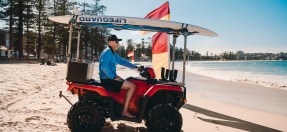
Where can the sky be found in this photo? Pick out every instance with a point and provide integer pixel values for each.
(251, 26)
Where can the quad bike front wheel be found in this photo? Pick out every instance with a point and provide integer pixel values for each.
(85, 116)
(164, 118)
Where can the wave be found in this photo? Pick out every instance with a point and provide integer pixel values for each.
(274, 81)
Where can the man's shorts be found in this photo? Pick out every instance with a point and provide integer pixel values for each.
(115, 84)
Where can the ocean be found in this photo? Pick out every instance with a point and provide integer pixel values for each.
(267, 73)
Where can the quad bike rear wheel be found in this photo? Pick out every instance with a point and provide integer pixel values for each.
(85, 116)
(164, 118)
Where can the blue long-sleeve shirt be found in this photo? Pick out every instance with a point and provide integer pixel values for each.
(108, 61)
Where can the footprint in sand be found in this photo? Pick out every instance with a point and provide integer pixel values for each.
(46, 109)
(217, 128)
(32, 118)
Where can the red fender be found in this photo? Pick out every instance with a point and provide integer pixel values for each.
(102, 91)
(155, 88)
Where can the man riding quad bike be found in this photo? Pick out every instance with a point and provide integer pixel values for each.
(155, 101)
(133, 99)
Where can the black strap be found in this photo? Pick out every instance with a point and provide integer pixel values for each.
(112, 50)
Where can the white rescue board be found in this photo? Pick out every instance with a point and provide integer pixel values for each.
(132, 23)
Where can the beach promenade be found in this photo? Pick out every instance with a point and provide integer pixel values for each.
(29, 101)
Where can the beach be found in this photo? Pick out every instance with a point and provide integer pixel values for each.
(241, 94)
(29, 101)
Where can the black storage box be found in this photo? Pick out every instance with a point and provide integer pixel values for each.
(80, 72)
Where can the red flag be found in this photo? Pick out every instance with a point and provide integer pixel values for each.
(131, 54)
(159, 12)
(160, 46)
(159, 42)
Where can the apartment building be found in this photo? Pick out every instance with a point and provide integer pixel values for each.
(240, 55)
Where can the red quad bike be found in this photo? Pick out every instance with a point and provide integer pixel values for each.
(156, 102)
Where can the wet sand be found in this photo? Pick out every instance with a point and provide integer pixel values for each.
(236, 93)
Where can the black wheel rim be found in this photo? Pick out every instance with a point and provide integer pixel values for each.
(164, 122)
(85, 120)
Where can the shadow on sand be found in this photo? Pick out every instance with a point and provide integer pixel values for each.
(230, 121)
(108, 127)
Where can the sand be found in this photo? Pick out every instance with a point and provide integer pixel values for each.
(242, 94)
(29, 101)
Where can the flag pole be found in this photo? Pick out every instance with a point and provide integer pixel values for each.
(168, 53)
(168, 47)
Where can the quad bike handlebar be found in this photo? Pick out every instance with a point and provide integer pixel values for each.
(141, 70)
(146, 72)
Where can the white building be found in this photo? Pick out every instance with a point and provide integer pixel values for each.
(281, 55)
(239, 55)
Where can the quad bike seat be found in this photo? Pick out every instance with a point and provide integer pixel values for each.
(97, 83)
